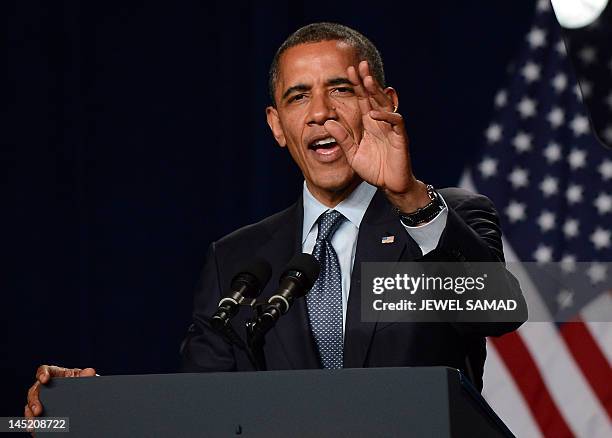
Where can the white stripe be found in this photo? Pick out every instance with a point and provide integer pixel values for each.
(600, 309)
(506, 398)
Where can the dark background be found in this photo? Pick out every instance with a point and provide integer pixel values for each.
(133, 134)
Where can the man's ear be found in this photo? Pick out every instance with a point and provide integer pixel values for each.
(392, 94)
(275, 125)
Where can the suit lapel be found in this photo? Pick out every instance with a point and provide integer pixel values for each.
(292, 331)
(379, 221)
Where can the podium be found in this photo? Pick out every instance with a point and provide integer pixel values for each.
(373, 402)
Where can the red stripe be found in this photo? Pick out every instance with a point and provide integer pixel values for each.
(591, 361)
(527, 377)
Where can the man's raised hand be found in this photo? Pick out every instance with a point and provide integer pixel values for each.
(381, 156)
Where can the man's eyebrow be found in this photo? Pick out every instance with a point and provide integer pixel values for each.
(304, 87)
(298, 87)
(339, 81)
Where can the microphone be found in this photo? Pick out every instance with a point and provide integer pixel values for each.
(247, 283)
(296, 281)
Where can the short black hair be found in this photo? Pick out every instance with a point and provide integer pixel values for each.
(317, 32)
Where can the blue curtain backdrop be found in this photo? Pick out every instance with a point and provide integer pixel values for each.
(133, 135)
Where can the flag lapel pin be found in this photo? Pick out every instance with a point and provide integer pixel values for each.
(388, 239)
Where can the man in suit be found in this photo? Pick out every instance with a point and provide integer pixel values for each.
(343, 130)
(331, 110)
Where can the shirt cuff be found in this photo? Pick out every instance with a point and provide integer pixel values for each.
(428, 235)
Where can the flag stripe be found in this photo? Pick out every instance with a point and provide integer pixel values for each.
(597, 315)
(591, 361)
(566, 384)
(528, 378)
(602, 334)
(501, 392)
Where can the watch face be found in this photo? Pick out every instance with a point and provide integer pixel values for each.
(573, 14)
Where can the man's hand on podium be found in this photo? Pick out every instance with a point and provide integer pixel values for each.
(44, 374)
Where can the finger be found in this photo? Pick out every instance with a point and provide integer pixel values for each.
(363, 98)
(27, 412)
(343, 138)
(33, 400)
(364, 69)
(394, 119)
(382, 101)
(43, 373)
(374, 89)
(33, 392)
(87, 372)
(46, 372)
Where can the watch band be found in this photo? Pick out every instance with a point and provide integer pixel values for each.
(423, 214)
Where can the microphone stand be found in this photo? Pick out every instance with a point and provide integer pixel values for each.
(253, 347)
(234, 338)
(255, 338)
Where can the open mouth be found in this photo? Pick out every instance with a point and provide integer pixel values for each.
(323, 146)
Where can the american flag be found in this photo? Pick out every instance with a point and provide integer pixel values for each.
(551, 181)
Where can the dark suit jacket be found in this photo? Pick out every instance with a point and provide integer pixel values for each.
(472, 233)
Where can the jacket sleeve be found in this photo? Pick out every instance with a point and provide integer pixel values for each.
(473, 234)
(203, 349)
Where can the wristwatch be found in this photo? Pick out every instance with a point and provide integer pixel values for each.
(423, 214)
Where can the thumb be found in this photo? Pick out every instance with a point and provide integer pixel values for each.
(343, 138)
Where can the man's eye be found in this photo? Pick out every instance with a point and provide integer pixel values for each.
(296, 97)
(343, 90)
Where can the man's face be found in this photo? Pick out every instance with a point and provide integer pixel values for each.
(312, 88)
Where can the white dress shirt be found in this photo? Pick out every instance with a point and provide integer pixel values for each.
(344, 240)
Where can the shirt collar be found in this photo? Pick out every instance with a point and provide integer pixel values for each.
(353, 207)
